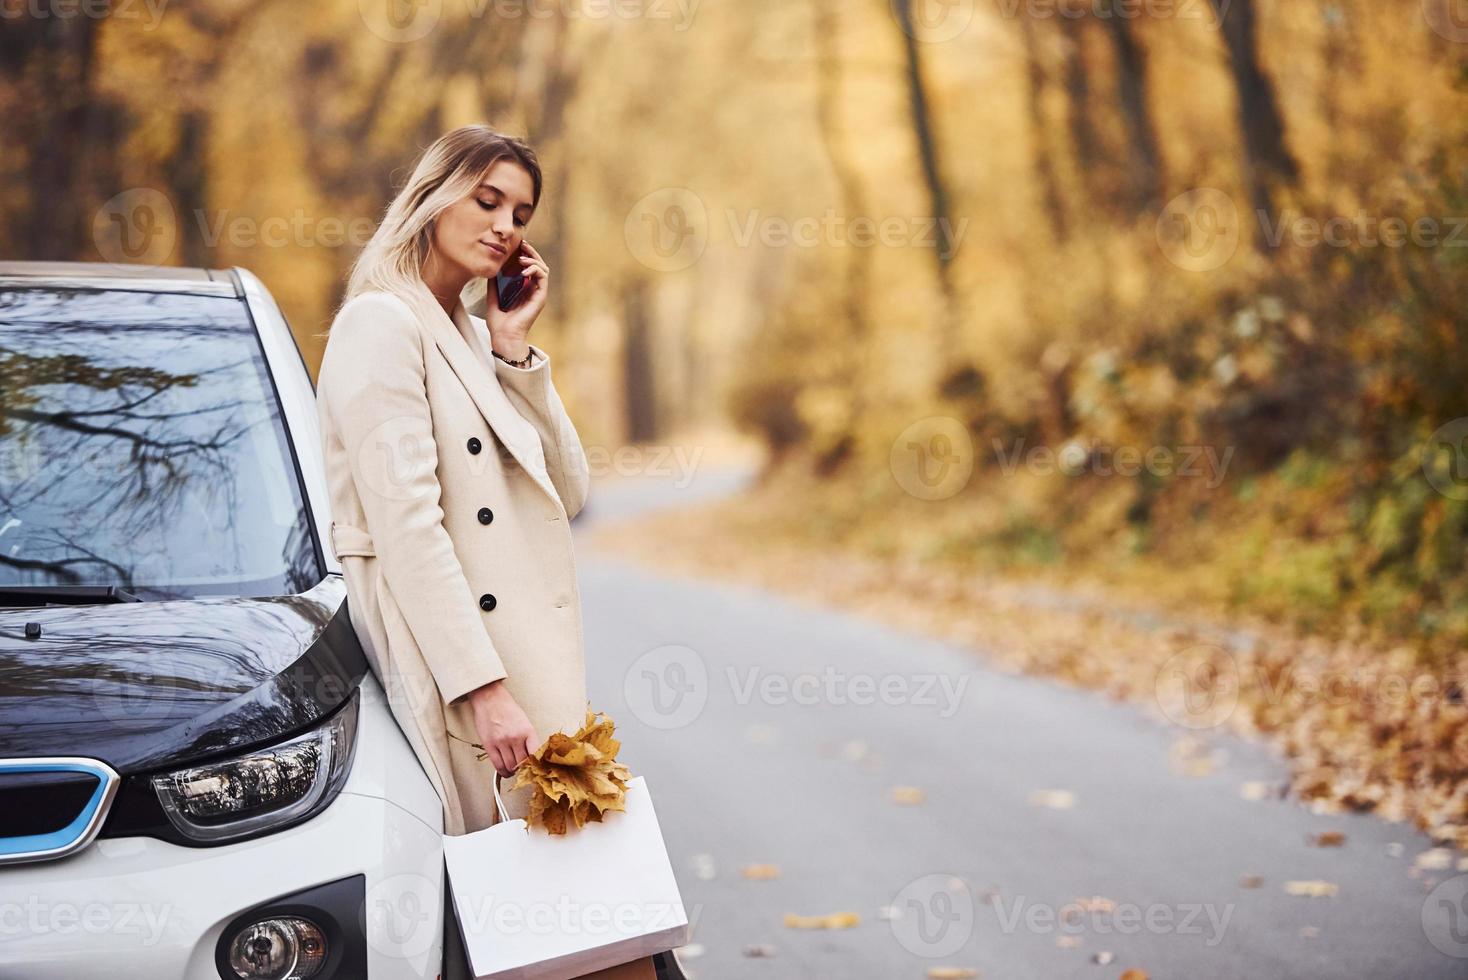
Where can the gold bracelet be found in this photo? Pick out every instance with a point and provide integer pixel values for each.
(521, 363)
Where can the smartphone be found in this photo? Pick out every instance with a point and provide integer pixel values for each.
(509, 289)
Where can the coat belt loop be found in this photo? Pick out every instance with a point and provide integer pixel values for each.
(348, 539)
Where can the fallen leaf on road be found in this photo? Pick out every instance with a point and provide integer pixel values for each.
(1311, 889)
(835, 920)
(703, 867)
(908, 795)
(760, 871)
(1192, 757)
(1251, 881)
(1328, 838)
(1067, 942)
(759, 951)
(1055, 799)
(951, 973)
(761, 734)
(1254, 791)
(1134, 975)
(1435, 859)
(1102, 958)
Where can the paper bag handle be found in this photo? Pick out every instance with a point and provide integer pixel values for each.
(498, 800)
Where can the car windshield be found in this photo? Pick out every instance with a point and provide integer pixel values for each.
(141, 446)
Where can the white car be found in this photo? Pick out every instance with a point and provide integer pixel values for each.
(199, 774)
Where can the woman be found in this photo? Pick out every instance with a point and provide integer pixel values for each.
(454, 473)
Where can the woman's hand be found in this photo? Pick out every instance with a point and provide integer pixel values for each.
(504, 728)
(507, 331)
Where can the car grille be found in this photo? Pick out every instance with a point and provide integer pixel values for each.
(51, 807)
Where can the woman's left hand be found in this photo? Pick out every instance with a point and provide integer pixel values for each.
(512, 327)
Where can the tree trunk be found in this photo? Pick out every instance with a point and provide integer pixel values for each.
(638, 376)
(1050, 199)
(930, 156)
(1267, 160)
(1131, 84)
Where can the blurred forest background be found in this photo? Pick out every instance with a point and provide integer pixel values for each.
(903, 243)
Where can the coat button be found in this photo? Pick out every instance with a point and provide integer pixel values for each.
(486, 602)
(485, 515)
(475, 445)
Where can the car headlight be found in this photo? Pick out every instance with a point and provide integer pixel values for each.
(264, 789)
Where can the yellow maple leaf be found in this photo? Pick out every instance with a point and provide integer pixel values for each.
(835, 920)
(577, 778)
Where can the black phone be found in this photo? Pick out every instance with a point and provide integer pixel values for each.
(510, 289)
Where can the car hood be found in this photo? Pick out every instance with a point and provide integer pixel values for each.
(147, 685)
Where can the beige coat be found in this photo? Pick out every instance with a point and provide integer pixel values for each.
(452, 488)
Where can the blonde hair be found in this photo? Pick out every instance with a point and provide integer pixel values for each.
(446, 172)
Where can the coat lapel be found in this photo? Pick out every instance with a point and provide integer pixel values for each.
(488, 396)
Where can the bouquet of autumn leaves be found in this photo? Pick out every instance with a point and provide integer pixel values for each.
(577, 777)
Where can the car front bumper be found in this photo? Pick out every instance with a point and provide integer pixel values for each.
(140, 907)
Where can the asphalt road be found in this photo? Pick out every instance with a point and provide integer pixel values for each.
(772, 732)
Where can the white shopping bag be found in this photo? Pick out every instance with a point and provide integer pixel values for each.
(536, 906)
